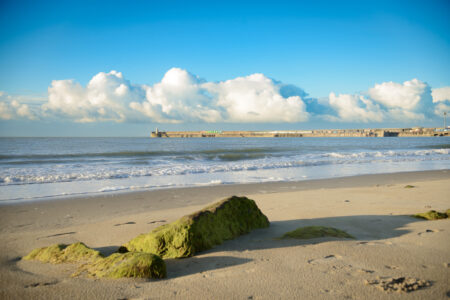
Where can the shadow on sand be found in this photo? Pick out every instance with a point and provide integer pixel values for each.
(365, 228)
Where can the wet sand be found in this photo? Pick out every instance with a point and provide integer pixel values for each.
(375, 209)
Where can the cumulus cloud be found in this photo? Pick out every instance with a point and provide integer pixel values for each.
(441, 94)
(388, 101)
(11, 108)
(396, 95)
(355, 108)
(256, 98)
(106, 98)
(442, 108)
(182, 97)
(179, 97)
(441, 97)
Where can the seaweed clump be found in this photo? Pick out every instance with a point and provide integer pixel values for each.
(130, 264)
(433, 215)
(60, 253)
(311, 232)
(202, 230)
(117, 265)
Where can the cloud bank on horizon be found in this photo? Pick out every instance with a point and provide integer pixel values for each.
(181, 97)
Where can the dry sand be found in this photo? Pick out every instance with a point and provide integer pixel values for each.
(373, 208)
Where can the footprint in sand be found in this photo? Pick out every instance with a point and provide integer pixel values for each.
(325, 259)
(36, 284)
(23, 225)
(127, 223)
(55, 235)
(392, 267)
(429, 231)
(374, 243)
(159, 221)
(365, 271)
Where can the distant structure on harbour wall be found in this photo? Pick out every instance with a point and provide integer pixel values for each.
(389, 132)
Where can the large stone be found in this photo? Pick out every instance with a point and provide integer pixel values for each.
(202, 230)
(130, 264)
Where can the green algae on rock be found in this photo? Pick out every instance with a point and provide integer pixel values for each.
(130, 264)
(433, 215)
(408, 186)
(60, 253)
(311, 232)
(202, 230)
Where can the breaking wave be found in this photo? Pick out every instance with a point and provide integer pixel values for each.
(210, 161)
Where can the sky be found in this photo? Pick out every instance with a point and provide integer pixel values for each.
(122, 68)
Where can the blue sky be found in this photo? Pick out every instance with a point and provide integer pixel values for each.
(352, 49)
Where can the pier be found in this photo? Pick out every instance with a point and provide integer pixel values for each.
(382, 132)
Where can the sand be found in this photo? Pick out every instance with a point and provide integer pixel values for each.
(375, 209)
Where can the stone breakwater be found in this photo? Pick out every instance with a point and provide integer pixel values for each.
(391, 132)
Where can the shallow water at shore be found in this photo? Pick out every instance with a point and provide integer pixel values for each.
(38, 168)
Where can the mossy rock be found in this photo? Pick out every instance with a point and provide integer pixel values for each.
(60, 253)
(409, 186)
(311, 232)
(447, 212)
(130, 264)
(202, 230)
(432, 215)
(117, 265)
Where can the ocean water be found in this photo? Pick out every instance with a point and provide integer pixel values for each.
(42, 168)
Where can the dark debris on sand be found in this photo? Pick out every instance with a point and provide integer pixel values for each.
(399, 284)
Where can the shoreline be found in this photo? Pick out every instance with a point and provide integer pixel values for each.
(375, 209)
(345, 181)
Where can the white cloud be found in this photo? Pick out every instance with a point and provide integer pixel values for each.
(11, 108)
(441, 97)
(6, 112)
(106, 98)
(441, 94)
(441, 108)
(355, 108)
(396, 95)
(179, 97)
(182, 97)
(256, 98)
(388, 101)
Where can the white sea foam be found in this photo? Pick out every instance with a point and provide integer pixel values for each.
(45, 174)
(53, 167)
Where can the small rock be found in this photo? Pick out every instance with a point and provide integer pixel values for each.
(399, 284)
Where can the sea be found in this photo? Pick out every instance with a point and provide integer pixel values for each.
(43, 168)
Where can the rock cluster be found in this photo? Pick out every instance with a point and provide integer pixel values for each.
(142, 256)
(399, 284)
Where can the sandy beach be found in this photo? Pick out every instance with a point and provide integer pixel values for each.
(375, 209)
